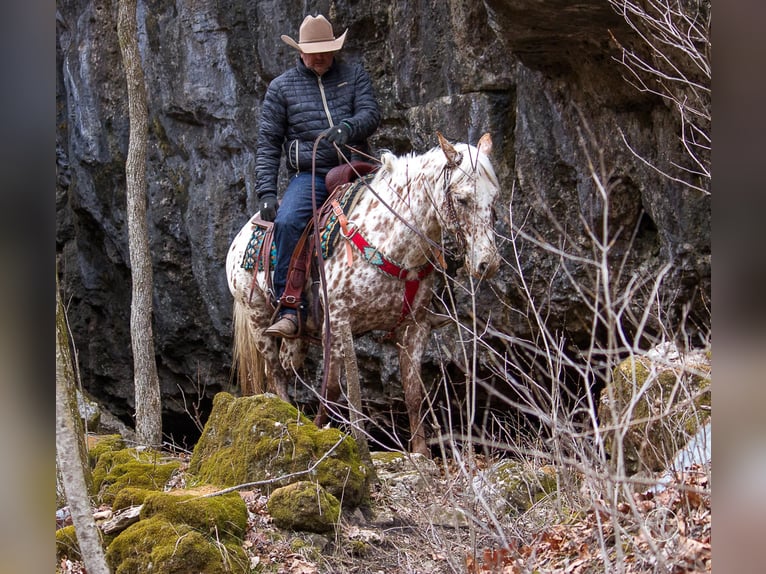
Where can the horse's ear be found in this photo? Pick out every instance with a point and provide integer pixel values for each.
(449, 151)
(485, 144)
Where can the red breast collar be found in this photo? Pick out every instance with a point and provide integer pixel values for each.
(384, 264)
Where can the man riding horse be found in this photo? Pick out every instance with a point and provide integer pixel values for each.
(319, 96)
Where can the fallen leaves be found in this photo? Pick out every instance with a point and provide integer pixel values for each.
(670, 529)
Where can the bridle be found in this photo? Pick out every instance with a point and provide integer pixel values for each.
(449, 203)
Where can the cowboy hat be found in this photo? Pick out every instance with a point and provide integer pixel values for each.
(315, 36)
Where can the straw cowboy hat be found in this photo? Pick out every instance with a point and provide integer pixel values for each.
(316, 36)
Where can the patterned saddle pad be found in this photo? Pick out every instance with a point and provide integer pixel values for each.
(329, 236)
(253, 250)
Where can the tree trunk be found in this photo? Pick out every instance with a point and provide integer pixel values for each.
(146, 380)
(70, 451)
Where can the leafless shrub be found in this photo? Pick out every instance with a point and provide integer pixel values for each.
(583, 500)
(673, 60)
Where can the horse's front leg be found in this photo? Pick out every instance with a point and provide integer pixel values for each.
(412, 339)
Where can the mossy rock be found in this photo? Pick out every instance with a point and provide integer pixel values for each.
(660, 400)
(388, 459)
(130, 496)
(262, 438)
(99, 444)
(158, 545)
(304, 506)
(391, 464)
(66, 543)
(116, 470)
(514, 487)
(215, 516)
(90, 412)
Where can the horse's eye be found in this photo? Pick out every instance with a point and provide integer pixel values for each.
(463, 201)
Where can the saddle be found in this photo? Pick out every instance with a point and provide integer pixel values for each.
(303, 262)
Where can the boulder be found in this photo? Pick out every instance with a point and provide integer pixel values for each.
(305, 506)
(511, 487)
(115, 470)
(266, 440)
(655, 404)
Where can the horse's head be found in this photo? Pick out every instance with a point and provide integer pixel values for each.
(470, 191)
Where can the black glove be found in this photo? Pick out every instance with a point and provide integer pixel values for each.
(268, 206)
(338, 134)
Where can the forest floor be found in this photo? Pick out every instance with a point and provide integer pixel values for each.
(664, 531)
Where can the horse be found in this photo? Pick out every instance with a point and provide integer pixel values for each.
(382, 280)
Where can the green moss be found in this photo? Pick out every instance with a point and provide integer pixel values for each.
(386, 458)
(181, 533)
(116, 470)
(304, 506)
(359, 548)
(667, 406)
(216, 515)
(548, 480)
(341, 481)
(520, 485)
(66, 544)
(103, 443)
(130, 496)
(261, 438)
(155, 544)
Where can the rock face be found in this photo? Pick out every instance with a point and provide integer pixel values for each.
(541, 77)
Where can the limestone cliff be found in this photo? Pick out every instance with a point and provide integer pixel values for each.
(540, 76)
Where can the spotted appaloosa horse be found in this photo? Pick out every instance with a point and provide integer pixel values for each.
(411, 203)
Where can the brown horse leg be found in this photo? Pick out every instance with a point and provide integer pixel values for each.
(412, 343)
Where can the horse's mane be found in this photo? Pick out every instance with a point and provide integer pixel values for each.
(408, 165)
(401, 168)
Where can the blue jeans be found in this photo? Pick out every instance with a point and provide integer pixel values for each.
(295, 211)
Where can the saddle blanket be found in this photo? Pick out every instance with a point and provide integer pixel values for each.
(329, 235)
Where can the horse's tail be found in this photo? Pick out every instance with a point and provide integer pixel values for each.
(247, 359)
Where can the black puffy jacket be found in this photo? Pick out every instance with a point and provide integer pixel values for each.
(298, 106)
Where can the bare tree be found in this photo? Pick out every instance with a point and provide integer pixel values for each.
(70, 452)
(673, 60)
(146, 380)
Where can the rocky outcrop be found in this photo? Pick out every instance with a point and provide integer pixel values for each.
(658, 401)
(539, 76)
(265, 441)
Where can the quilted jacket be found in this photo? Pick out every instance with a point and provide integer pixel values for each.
(298, 106)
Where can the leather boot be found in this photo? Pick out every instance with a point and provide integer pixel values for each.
(286, 327)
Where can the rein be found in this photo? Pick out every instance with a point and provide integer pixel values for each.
(447, 175)
(375, 258)
(322, 275)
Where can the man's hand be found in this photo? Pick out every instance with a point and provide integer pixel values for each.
(338, 134)
(268, 207)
